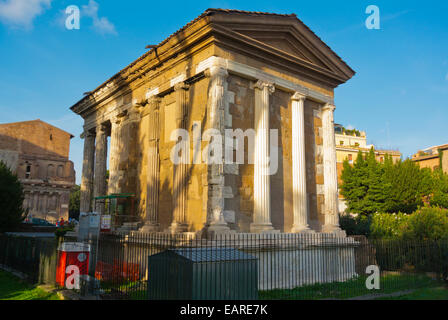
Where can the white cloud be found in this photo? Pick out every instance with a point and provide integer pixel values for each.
(350, 127)
(21, 13)
(101, 25)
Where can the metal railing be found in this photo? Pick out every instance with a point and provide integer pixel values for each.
(238, 266)
(288, 266)
(34, 257)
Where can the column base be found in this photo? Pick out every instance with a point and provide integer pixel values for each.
(178, 228)
(150, 227)
(302, 229)
(262, 228)
(336, 230)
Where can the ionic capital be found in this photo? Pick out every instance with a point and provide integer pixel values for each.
(181, 86)
(154, 103)
(298, 97)
(87, 134)
(138, 103)
(101, 129)
(216, 72)
(328, 107)
(264, 84)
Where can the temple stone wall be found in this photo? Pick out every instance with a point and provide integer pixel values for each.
(242, 180)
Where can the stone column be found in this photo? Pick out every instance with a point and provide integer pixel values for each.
(262, 189)
(114, 158)
(216, 108)
(87, 173)
(128, 161)
(36, 202)
(179, 223)
(153, 174)
(99, 185)
(330, 172)
(300, 205)
(45, 203)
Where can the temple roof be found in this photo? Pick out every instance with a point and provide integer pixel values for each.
(316, 54)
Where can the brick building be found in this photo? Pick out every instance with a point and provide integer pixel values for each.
(39, 154)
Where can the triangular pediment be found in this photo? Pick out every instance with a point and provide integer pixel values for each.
(284, 40)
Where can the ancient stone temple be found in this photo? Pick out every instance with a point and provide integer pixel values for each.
(206, 88)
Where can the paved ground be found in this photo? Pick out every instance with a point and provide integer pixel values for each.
(32, 234)
(383, 295)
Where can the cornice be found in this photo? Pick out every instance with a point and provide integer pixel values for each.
(212, 30)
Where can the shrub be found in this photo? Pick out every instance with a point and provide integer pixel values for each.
(388, 225)
(427, 223)
(356, 225)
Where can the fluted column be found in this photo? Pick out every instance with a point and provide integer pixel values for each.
(87, 173)
(99, 184)
(179, 223)
(330, 171)
(114, 158)
(300, 205)
(153, 175)
(215, 193)
(262, 188)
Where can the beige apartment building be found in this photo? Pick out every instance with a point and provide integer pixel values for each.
(39, 154)
(435, 157)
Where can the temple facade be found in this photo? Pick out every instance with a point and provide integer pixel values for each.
(224, 127)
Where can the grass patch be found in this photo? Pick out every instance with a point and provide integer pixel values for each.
(351, 288)
(13, 288)
(436, 293)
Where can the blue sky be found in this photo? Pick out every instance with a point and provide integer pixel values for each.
(399, 94)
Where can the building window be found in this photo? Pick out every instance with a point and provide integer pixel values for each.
(350, 158)
(341, 143)
(50, 171)
(28, 171)
(60, 171)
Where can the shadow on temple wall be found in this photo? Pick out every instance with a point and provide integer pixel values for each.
(278, 179)
(166, 193)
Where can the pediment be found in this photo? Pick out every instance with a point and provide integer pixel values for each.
(286, 41)
(288, 44)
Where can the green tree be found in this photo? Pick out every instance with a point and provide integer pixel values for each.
(408, 185)
(74, 205)
(354, 187)
(370, 186)
(376, 196)
(11, 199)
(440, 189)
